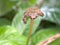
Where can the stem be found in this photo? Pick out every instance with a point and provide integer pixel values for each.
(40, 3)
(29, 34)
(49, 40)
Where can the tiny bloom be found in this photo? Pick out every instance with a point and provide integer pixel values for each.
(32, 13)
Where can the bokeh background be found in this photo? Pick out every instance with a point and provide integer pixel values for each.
(14, 32)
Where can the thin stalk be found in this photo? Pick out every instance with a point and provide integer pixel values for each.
(40, 3)
(30, 31)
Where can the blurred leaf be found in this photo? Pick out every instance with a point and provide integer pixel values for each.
(43, 34)
(10, 36)
(51, 11)
(56, 42)
(10, 15)
(4, 21)
(26, 3)
(24, 28)
(32, 2)
(6, 6)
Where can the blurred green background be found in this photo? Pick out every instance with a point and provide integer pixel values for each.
(14, 32)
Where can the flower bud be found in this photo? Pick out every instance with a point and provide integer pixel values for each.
(32, 13)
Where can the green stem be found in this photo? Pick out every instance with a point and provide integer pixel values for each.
(29, 34)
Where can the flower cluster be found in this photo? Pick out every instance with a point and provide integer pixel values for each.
(32, 13)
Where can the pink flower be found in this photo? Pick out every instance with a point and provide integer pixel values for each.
(32, 13)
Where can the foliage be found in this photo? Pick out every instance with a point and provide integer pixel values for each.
(10, 36)
(44, 34)
(14, 32)
(4, 21)
(6, 6)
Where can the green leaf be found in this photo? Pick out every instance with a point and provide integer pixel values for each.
(24, 28)
(10, 36)
(43, 34)
(51, 11)
(56, 42)
(26, 3)
(32, 2)
(4, 21)
(50, 15)
(6, 6)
